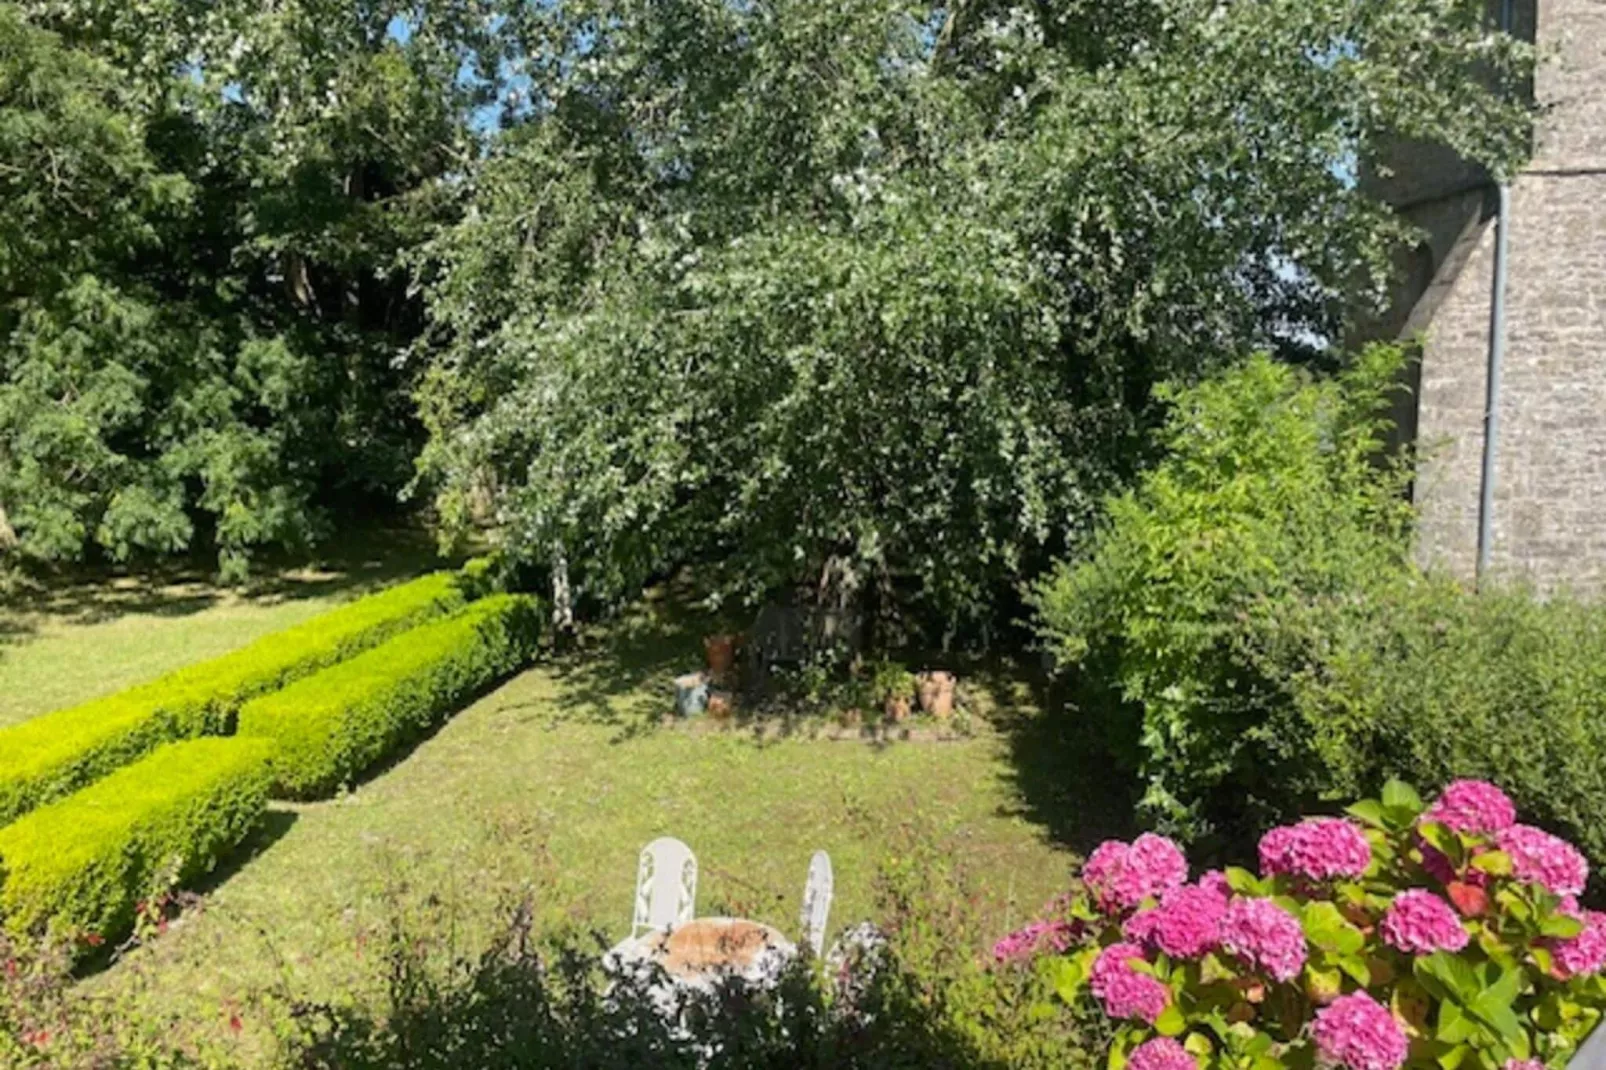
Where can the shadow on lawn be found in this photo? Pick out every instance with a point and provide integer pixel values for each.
(94, 595)
(274, 826)
(1062, 772)
(622, 673)
(168, 902)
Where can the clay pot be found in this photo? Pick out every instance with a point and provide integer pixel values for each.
(937, 693)
(720, 651)
(896, 708)
(720, 705)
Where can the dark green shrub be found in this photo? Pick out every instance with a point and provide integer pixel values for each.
(80, 866)
(1215, 580)
(333, 725)
(1261, 641)
(1499, 685)
(51, 755)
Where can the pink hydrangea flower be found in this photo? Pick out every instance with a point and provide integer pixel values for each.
(1265, 936)
(1185, 925)
(1029, 940)
(1545, 860)
(1125, 992)
(1318, 849)
(1420, 923)
(1161, 1053)
(1358, 1032)
(1475, 806)
(1216, 881)
(1585, 953)
(1524, 1064)
(1122, 875)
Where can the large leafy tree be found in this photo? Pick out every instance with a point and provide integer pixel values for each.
(869, 297)
(203, 313)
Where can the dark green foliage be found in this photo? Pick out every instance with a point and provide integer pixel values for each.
(1499, 685)
(50, 755)
(79, 867)
(1215, 581)
(1252, 630)
(201, 305)
(335, 724)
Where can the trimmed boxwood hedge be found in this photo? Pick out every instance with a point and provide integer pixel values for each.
(333, 725)
(51, 755)
(81, 865)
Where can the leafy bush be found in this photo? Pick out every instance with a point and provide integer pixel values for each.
(1270, 644)
(1444, 936)
(1442, 683)
(80, 866)
(51, 755)
(1218, 580)
(333, 725)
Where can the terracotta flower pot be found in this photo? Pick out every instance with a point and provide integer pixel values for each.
(720, 705)
(937, 693)
(720, 651)
(896, 707)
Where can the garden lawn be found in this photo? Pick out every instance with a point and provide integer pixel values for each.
(88, 638)
(546, 789)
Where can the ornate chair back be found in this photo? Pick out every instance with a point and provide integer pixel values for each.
(817, 901)
(666, 886)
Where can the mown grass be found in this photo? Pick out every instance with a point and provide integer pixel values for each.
(89, 635)
(547, 788)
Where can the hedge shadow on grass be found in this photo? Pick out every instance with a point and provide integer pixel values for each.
(1064, 773)
(81, 595)
(275, 824)
(405, 747)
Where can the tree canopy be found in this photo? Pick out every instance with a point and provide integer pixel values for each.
(867, 297)
(202, 305)
(872, 296)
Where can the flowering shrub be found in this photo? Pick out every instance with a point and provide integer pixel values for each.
(1402, 935)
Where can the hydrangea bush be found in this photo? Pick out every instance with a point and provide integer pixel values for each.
(1401, 935)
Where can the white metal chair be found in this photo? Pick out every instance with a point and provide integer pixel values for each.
(666, 886)
(817, 902)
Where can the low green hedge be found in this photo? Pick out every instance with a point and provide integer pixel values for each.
(333, 725)
(81, 865)
(51, 755)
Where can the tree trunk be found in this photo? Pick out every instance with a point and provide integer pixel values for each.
(562, 596)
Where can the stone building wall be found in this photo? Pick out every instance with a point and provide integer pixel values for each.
(1549, 517)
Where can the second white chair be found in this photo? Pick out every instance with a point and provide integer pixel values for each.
(817, 901)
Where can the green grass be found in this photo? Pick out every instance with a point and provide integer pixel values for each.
(548, 787)
(78, 640)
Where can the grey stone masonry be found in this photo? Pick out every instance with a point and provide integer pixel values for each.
(1549, 516)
